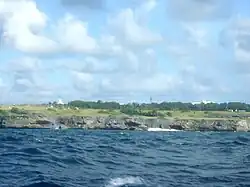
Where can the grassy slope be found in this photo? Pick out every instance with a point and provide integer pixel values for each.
(63, 111)
(213, 115)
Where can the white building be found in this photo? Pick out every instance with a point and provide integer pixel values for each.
(203, 101)
(60, 102)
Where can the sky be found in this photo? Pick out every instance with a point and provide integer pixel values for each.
(124, 51)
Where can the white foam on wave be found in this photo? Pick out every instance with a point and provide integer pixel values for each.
(160, 129)
(116, 182)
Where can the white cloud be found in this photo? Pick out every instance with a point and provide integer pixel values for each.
(22, 82)
(85, 77)
(200, 10)
(3, 86)
(24, 25)
(129, 31)
(141, 12)
(109, 46)
(72, 35)
(85, 83)
(88, 64)
(92, 4)
(235, 38)
(123, 57)
(25, 64)
(196, 34)
(147, 6)
(25, 75)
(241, 55)
(23, 22)
(135, 84)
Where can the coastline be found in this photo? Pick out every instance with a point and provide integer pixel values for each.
(67, 118)
(128, 123)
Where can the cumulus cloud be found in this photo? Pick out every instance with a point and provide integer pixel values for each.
(72, 35)
(130, 32)
(22, 82)
(92, 4)
(25, 64)
(133, 84)
(200, 10)
(24, 25)
(88, 64)
(24, 77)
(195, 35)
(22, 22)
(122, 55)
(85, 83)
(25, 32)
(235, 37)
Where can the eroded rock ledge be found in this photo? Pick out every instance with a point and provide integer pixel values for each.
(127, 123)
(140, 123)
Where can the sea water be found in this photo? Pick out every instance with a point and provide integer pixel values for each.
(81, 158)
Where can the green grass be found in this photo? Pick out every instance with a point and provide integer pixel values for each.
(208, 115)
(63, 111)
(211, 115)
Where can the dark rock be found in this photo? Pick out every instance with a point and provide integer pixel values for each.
(43, 122)
(113, 124)
(2, 122)
(178, 125)
(133, 122)
(35, 120)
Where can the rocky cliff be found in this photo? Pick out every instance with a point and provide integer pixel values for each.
(128, 123)
(141, 123)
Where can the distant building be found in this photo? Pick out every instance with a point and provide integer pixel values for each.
(60, 102)
(203, 101)
(236, 110)
(241, 110)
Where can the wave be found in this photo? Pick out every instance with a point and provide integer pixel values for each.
(160, 129)
(77, 158)
(128, 181)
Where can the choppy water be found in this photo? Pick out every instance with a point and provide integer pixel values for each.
(78, 158)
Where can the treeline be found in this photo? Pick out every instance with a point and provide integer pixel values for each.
(235, 106)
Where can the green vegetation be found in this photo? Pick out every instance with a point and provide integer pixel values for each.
(162, 110)
(163, 106)
(4, 112)
(171, 109)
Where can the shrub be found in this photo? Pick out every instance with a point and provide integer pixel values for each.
(169, 114)
(51, 109)
(16, 110)
(3, 112)
(103, 112)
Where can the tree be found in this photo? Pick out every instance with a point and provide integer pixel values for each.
(136, 108)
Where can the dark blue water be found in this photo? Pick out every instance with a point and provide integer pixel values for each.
(78, 158)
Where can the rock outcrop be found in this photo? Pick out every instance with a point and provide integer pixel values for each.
(127, 123)
(242, 125)
(142, 123)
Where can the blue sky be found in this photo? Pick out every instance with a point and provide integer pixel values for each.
(125, 51)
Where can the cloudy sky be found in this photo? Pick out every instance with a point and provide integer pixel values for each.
(126, 50)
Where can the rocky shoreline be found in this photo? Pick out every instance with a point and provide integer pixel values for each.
(124, 123)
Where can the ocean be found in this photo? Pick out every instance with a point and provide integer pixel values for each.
(84, 158)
